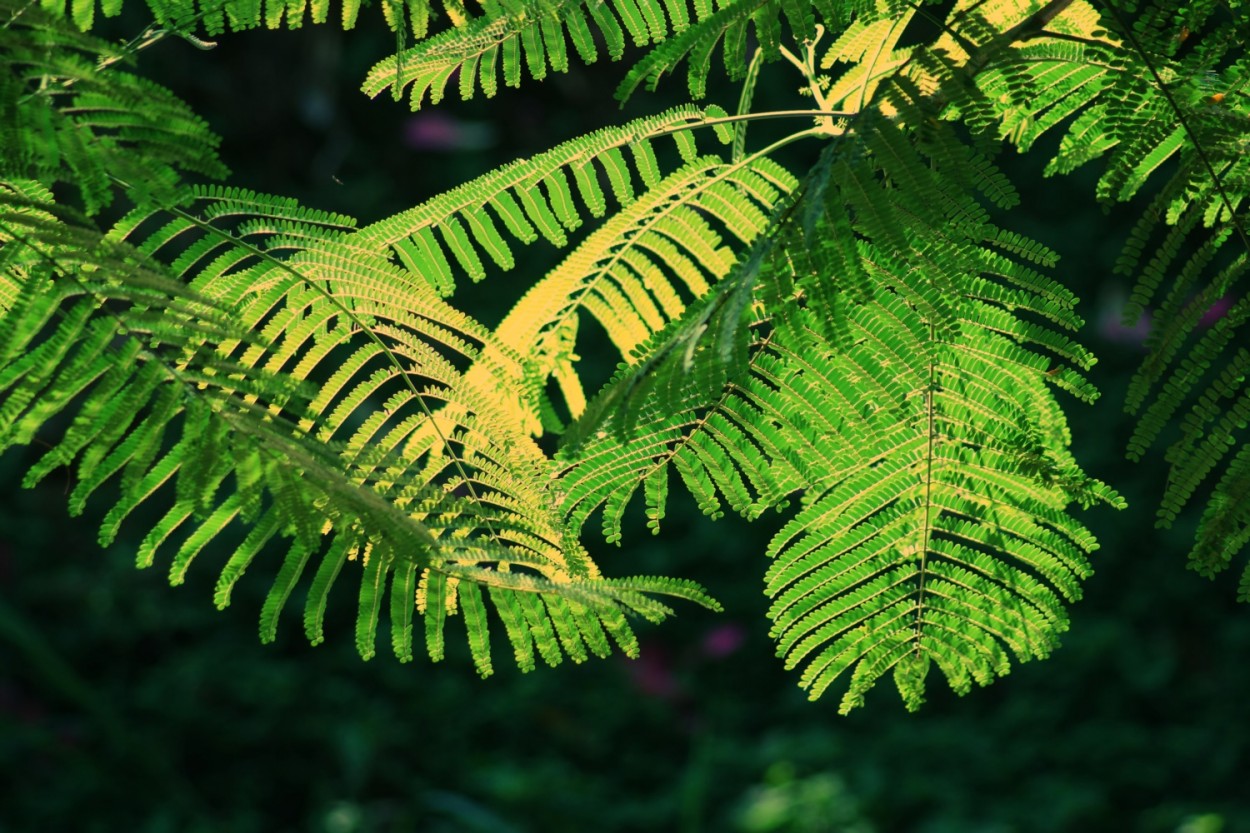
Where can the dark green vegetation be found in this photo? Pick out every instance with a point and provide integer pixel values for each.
(839, 318)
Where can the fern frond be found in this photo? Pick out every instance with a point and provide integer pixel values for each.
(733, 25)
(1176, 117)
(729, 450)
(213, 17)
(67, 120)
(275, 373)
(931, 530)
(515, 39)
(531, 198)
(695, 45)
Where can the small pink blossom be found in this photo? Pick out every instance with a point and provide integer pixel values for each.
(441, 132)
(723, 640)
(1216, 311)
(1112, 327)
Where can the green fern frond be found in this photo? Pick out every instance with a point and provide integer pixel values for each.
(72, 115)
(517, 39)
(185, 18)
(1175, 116)
(729, 451)
(733, 25)
(696, 43)
(934, 522)
(243, 377)
(531, 198)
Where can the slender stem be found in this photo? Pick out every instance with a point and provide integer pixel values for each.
(18, 13)
(773, 114)
(792, 58)
(926, 531)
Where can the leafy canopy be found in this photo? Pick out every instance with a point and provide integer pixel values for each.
(866, 340)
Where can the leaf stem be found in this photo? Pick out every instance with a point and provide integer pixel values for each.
(771, 114)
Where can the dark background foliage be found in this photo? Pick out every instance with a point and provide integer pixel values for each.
(125, 705)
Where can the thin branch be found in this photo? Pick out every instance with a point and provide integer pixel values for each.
(773, 114)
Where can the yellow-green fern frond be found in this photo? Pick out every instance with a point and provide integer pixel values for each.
(455, 231)
(239, 354)
(638, 271)
(531, 198)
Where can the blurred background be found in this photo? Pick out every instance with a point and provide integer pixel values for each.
(126, 705)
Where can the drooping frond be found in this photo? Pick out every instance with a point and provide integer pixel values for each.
(1190, 252)
(899, 383)
(1161, 101)
(733, 26)
(677, 372)
(275, 374)
(685, 398)
(723, 451)
(938, 532)
(70, 113)
(696, 44)
(941, 536)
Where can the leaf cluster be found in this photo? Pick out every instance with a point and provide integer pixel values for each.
(867, 339)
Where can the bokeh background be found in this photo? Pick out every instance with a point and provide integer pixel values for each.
(126, 705)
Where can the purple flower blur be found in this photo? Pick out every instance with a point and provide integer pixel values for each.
(446, 134)
(723, 640)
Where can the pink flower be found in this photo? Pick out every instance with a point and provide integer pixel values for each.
(722, 641)
(1216, 311)
(1111, 313)
(441, 132)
